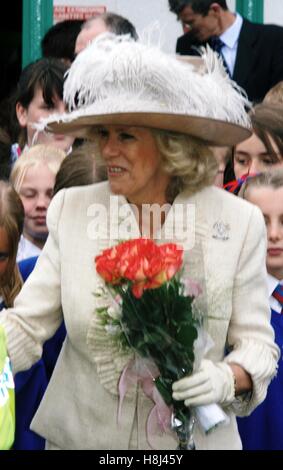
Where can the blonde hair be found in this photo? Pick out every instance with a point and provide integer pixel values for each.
(271, 179)
(12, 221)
(34, 156)
(188, 160)
(275, 95)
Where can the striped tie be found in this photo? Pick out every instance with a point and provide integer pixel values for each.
(278, 295)
(217, 45)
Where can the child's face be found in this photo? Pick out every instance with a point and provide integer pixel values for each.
(37, 110)
(252, 157)
(4, 251)
(36, 193)
(270, 202)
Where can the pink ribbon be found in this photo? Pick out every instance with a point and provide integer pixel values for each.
(143, 372)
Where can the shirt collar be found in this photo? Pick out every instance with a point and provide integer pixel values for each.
(231, 35)
(272, 283)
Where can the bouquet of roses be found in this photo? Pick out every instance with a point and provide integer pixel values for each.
(154, 316)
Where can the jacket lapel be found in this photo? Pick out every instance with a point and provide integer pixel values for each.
(246, 53)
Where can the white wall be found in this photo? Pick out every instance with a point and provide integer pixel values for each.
(231, 4)
(273, 11)
(144, 12)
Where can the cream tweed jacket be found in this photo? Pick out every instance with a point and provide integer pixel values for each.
(79, 409)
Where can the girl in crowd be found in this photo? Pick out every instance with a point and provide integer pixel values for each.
(152, 132)
(263, 430)
(264, 149)
(260, 152)
(33, 177)
(31, 384)
(39, 93)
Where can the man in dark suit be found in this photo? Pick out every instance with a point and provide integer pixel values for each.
(252, 53)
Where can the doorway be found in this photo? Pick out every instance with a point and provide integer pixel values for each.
(10, 46)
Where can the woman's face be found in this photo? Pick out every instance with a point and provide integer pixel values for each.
(36, 193)
(4, 251)
(270, 202)
(251, 157)
(133, 164)
(36, 110)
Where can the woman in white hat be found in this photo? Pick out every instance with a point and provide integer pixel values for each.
(152, 119)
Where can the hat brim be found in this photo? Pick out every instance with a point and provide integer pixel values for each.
(212, 131)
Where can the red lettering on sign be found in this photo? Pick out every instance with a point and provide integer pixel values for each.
(67, 12)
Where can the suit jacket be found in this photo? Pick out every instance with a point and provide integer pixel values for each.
(79, 409)
(259, 60)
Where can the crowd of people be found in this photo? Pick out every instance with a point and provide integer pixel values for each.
(104, 119)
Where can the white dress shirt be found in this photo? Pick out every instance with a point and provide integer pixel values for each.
(230, 38)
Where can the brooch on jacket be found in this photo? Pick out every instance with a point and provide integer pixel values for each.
(221, 231)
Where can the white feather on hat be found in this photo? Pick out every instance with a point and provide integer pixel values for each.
(116, 80)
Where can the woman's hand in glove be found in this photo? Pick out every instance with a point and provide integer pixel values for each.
(212, 383)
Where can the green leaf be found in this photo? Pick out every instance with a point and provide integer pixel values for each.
(186, 336)
(165, 389)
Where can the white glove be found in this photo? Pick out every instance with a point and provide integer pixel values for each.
(212, 383)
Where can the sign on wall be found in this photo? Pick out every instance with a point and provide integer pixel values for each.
(68, 12)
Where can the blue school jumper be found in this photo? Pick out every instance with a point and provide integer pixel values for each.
(263, 429)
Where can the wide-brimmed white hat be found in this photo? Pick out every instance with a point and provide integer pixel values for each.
(117, 81)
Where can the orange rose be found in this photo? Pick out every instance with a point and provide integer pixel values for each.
(107, 265)
(139, 260)
(172, 256)
(166, 264)
(149, 265)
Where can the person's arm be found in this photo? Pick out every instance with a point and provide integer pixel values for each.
(37, 310)
(252, 361)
